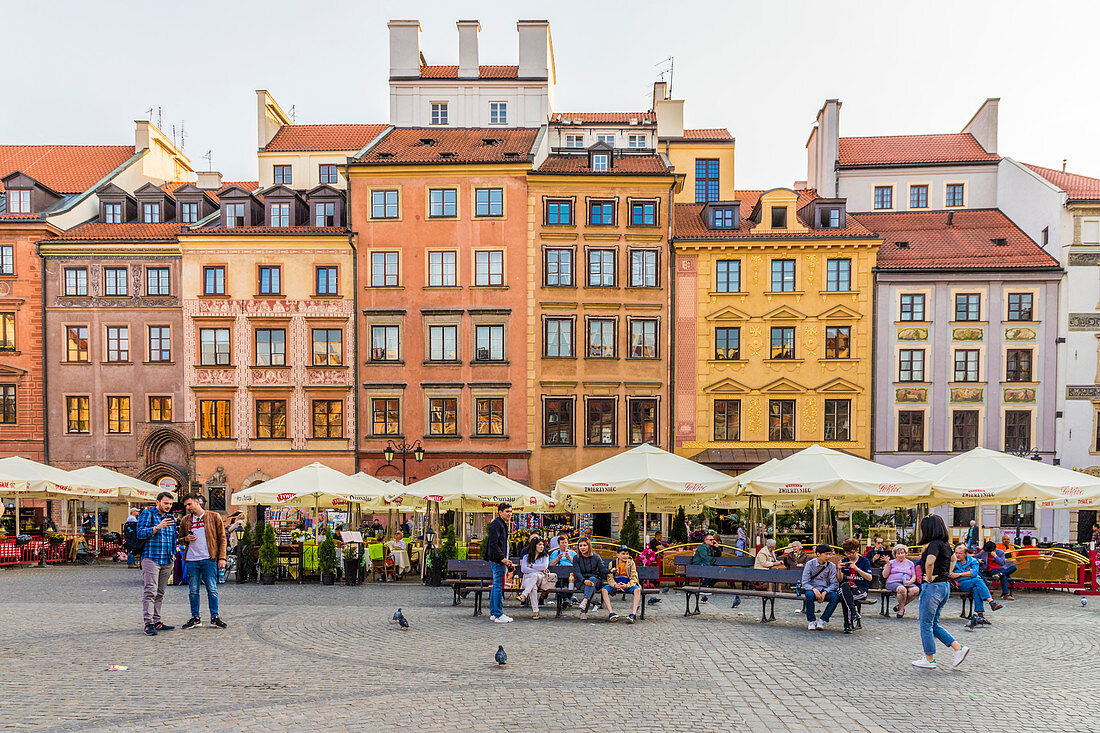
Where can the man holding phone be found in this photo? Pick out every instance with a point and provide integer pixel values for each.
(156, 529)
(202, 533)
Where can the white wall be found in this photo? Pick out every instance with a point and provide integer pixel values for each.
(468, 102)
(858, 186)
(1033, 204)
(305, 168)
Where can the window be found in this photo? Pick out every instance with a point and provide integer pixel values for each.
(706, 180)
(489, 268)
(160, 409)
(442, 202)
(643, 338)
(781, 420)
(443, 343)
(215, 418)
(559, 337)
(635, 141)
(1045, 236)
(112, 213)
(118, 415)
(282, 175)
(723, 218)
(727, 343)
(828, 218)
(234, 215)
(7, 259)
(779, 217)
(385, 416)
(150, 213)
(601, 162)
(118, 343)
(964, 430)
(271, 280)
(383, 204)
(728, 276)
(328, 419)
(489, 412)
(19, 201)
(439, 113)
(324, 214)
(838, 340)
(443, 416)
(489, 202)
(213, 280)
(600, 422)
(912, 307)
(911, 365)
(601, 268)
(270, 418)
(489, 343)
(280, 215)
(557, 423)
(574, 141)
(884, 197)
(76, 411)
(328, 347)
(838, 414)
(608, 139)
(782, 276)
(918, 197)
(601, 338)
(966, 365)
(156, 281)
(385, 342)
(214, 346)
(727, 419)
(968, 307)
(838, 275)
(1017, 430)
(1020, 307)
(270, 347)
(643, 268)
(327, 280)
(953, 195)
(559, 211)
(383, 269)
(1026, 510)
(7, 331)
(910, 431)
(160, 343)
(782, 342)
(442, 269)
(328, 173)
(498, 113)
(601, 213)
(559, 267)
(1018, 366)
(76, 343)
(76, 281)
(643, 421)
(643, 213)
(189, 212)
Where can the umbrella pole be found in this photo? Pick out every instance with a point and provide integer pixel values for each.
(815, 521)
(95, 525)
(645, 520)
(979, 524)
(17, 515)
(775, 510)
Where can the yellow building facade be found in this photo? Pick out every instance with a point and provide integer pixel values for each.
(773, 328)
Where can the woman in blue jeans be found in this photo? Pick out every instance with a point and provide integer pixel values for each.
(936, 562)
(590, 570)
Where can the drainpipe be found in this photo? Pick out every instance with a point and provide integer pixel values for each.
(354, 350)
(45, 369)
(671, 324)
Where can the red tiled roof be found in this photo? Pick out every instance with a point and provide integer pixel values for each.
(484, 72)
(64, 168)
(1078, 187)
(689, 221)
(708, 133)
(296, 138)
(614, 118)
(957, 147)
(133, 230)
(966, 244)
(269, 230)
(170, 188)
(621, 165)
(6, 215)
(452, 145)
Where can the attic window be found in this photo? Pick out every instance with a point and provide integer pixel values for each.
(999, 241)
(447, 154)
(19, 200)
(828, 218)
(385, 154)
(600, 161)
(724, 217)
(490, 141)
(427, 141)
(903, 245)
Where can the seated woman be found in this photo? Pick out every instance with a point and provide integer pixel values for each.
(855, 579)
(534, 565)
(901, 578)
(965, 571)
(589, 569)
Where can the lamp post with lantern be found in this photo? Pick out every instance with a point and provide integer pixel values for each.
(392, 449)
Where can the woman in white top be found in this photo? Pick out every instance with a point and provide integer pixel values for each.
(534, 566)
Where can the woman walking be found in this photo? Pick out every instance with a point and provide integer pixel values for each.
(936, 562)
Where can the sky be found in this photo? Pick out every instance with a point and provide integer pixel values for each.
(760, 69)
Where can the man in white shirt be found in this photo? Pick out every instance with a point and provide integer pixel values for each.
(203, 535)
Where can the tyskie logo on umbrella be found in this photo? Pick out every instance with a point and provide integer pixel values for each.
(1072, 491)
(693, 488)
(888, 489)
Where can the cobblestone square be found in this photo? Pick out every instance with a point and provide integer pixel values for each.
(329, 658)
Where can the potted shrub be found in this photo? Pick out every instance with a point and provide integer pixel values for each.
(22, 539)
(55, 538)
(351, 565)
(679, 533)
(628, 533)
(269, 556)
(326, 559)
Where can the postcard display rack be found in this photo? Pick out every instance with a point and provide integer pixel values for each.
(284, 520)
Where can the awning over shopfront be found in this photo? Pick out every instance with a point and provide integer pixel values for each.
(740, 459)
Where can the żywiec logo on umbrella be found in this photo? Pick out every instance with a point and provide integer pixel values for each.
(598, 488)
(793, 489)
(977, 493)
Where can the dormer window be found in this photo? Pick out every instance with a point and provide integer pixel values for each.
(723, 217)
(324, 214)
(150, 213)
(234, 215)
(828, 218)
(601, 161)
(112, 213)
(19, 201)
(280, 215)
(779, 217)
(189, 212)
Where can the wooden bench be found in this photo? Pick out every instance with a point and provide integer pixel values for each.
(724, 561)
(475, 576)
(696, 574)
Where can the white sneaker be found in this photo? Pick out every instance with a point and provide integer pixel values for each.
(960, 656)
(820, 625)
(812, 626)
(923, 663)
(502, 619)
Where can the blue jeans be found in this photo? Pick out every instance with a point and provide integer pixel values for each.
(496, 594)
(831, 598)
(590, 590)
(1005, 575)
(206, 572)
(933, 597)
(978, 590)
(130, 560)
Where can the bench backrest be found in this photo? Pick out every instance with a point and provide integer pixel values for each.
(748, 575)
(725, 561)
(475, 569)
(645, 572)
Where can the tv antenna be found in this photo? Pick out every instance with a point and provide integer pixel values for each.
(209, 158)
(671, 62)
(178, 138)
(160, 115)
(293, 115)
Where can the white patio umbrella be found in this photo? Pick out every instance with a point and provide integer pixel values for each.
(916, 467)
(128, 487)
(29, 479)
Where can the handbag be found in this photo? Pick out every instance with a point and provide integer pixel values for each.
(548, 581)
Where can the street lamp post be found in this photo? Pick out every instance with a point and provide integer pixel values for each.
(392, 449)
(1032, 454)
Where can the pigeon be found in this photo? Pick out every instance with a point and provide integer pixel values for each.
(501, 656)
(736, 601)
(664, 589)
(396, 615)
(401, 620)
(654, 600)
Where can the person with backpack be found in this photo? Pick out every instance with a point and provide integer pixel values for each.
(129, 538)
(156, 534)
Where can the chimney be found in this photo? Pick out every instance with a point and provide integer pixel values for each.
(1063, 165)
(669, 112)
(660, 92)
(536, 54)
(983, 125)
(828, 148)
(468, 67)
(270, 117)
(404, 48)
(209, 180)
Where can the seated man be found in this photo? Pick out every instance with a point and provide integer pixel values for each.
(878, 555)
(1029, 548)
(657, 542)
(795, 557)
(855, 579)
(992, 561)
(820, 584)
(562, 555)
(622, 578)
(1006, 543)
(964, 571)
(705, 554)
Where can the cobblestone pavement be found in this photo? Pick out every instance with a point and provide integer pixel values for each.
(310, 657)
